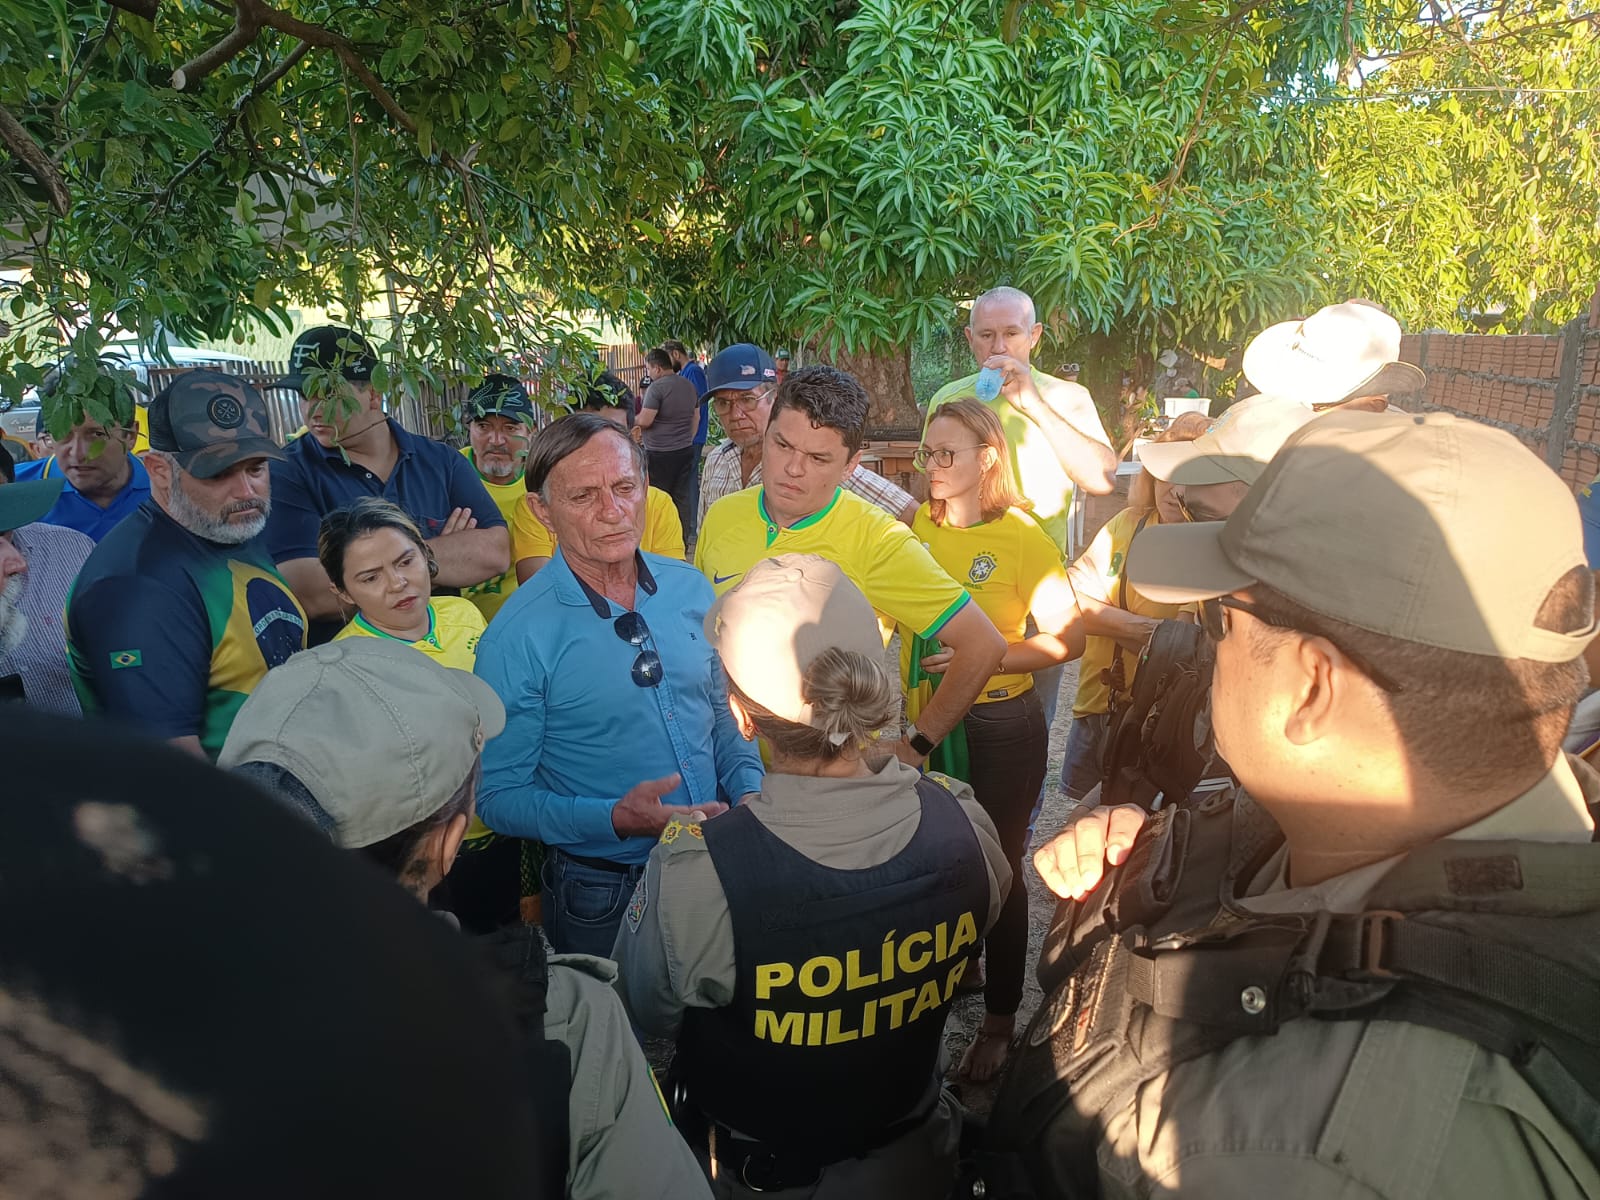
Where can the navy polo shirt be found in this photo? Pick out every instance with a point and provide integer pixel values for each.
(428, 481)
(74, 511)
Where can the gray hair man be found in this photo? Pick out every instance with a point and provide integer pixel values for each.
(37, 566)
(616, 708)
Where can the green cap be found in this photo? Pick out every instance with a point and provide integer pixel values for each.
(23, 503)
(209, 422)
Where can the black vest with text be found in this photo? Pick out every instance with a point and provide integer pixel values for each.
(843, 981)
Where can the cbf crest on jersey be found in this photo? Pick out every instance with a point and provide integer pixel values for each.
(982, 567)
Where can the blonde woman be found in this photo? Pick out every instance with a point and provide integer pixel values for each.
(804, 947)
(1117, 618)
(977, 527)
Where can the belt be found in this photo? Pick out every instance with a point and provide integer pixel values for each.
(601, 864)
(764, 1167)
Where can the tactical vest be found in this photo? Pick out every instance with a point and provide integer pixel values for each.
(518, 968)
(832, 1039)
(1495, 942)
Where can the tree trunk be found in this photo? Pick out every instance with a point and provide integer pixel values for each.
(886, 374)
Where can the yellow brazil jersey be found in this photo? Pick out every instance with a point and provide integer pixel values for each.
(1040, 475)
(1003, 563)
(876, 553)
(508, 498)
(454, 627)
(1111, 547)
(663, 531)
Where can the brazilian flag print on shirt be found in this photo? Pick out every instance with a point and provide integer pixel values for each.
(170, 632)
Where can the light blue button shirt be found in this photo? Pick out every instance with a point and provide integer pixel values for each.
(579, 732)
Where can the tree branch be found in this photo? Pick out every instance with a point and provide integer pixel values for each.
(139, 8)
(31, 155)
(240, 36)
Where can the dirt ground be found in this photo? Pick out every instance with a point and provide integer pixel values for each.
(967, 1012)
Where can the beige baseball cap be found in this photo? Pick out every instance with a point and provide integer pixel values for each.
(1422, 527)
(784, 613)
(1337, 353)
(380, 734)
(1235, 449)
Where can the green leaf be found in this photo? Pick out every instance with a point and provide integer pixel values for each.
(412, 43)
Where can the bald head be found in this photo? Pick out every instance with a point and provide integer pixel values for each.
(1003, 322)
(1011, 298)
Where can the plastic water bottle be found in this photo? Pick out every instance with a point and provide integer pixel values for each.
(988, 385)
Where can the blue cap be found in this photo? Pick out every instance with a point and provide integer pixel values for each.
(740, 367)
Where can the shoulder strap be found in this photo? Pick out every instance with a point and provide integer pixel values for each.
(1122, 576)
(1118, 671)
(519, 958)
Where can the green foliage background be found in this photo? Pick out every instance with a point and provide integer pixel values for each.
(1157, 173)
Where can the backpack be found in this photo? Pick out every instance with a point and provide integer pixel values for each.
(1495, 942)
(1158, 743)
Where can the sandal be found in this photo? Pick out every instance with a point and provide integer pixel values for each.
(979, 1062)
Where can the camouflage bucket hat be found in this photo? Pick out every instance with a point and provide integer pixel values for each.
(209, 422)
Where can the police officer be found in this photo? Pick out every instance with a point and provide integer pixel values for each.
(1399, 607)
(379, 745)
(804, 947)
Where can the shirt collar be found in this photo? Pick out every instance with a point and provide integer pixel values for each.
(1552, 810)
(789, 800)
(803, 522)
(405, 442)
(138, 478)
(574, 591)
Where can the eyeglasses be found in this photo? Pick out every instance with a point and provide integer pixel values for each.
(743, 401)
(1217, 626)
(647, 669)
(939, 458)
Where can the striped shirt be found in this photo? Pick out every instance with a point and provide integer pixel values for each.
(722, 476)
(55, 556)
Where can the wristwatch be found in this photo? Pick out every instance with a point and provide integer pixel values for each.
(919, 741)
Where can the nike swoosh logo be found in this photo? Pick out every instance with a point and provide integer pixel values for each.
(715, 578)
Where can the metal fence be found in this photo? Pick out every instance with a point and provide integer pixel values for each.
(423, 410)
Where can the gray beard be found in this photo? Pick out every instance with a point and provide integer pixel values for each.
(13, 621)
(212, 528)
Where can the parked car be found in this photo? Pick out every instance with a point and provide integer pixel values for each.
(20, 421)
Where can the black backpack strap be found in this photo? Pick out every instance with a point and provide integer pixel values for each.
(519, 959)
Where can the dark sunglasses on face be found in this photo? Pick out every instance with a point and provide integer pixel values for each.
(1214, 620)
(647, 669)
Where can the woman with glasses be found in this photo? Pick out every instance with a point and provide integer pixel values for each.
(1117, 618)
(976, 526)
(805, 947)
(380, 566)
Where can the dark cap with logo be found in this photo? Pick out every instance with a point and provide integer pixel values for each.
(740, 368)
(209, 422)
(500, 396)
(329, 348)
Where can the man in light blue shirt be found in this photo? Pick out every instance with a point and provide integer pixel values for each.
(617, 713)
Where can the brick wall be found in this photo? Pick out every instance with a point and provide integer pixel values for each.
(1545, 389)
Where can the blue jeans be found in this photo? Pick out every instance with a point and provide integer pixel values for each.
(1048, 684)
(691, 527)
(1084, 763)
(583, 905)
